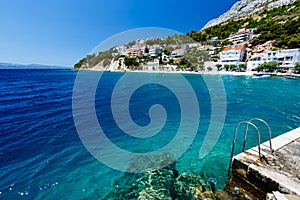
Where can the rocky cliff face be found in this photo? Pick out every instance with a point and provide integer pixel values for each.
(246, 8)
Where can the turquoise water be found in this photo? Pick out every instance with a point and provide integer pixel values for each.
(42, 156)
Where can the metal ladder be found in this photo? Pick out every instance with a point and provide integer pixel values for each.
(247, 123)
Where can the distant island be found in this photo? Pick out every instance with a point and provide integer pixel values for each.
(31, 66)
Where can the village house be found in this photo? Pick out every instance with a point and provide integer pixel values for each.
(232, 55)
(254, 62)
(241, 36)
(285, 58)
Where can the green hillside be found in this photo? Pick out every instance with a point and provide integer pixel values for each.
(282, 25)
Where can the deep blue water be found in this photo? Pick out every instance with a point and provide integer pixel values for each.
(42, 156)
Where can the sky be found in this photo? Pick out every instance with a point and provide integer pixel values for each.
(61, 32)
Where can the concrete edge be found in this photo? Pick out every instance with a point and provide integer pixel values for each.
(277, 142)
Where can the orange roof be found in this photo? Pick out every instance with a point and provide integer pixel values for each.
(227, 49)
(236, 48)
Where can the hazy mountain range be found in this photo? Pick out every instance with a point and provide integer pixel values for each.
(30, 66)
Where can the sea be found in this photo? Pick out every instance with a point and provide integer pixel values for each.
(44, 153)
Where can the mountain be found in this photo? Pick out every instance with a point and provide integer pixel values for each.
(247, 8)
(30, 66)
(275, 24)
(276, 28)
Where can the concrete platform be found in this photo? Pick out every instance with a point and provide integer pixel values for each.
(280, 171)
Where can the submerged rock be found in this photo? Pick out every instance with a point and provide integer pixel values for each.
(162, 184)
(155, 184)
(191, 186)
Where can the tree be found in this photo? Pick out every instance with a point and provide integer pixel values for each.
(130, 62)
(193, 60)
(259, 68)
(271, 66)
(226, 67)
(297, 66)
(218, 66)
(242, 66)
(79, 64)
(131, 43)
(232, 66)
(268, 66)
(226, 42)
(167, 52)
(160, 60)
(146, 50)
(168, 49)
(184, 63)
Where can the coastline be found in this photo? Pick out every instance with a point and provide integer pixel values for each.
(214, 72)
(247, 73)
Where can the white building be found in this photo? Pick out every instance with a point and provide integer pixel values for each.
(241, 36)
(177, 53)
(287, 58)
(151, 66)
(121, 50)
(271, 56)
(254, 62)
(232, 55)
(152, 52)
(154, 66)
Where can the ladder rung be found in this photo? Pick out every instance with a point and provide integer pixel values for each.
(245, 137)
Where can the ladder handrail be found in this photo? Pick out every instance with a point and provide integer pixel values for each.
(245, 137)
(269, 129)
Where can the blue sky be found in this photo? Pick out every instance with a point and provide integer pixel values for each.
(61, 32)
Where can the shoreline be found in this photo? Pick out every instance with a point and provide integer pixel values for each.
(232, 73)
(247, 73)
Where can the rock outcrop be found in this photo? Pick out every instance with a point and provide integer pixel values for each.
(247, 8)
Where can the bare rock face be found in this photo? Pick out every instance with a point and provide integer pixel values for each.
(247, 8)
